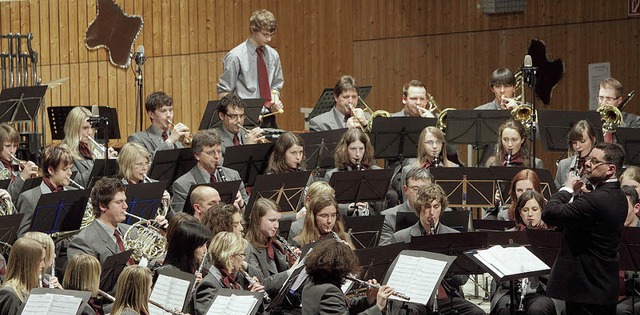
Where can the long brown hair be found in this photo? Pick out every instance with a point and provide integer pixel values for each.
(497, 159)
(310, 231)
(342, 149)
(422, 150)
(277, 164)
(260, 208)
(133, 290)
(23, 266)
(524, 198)
(82, 274)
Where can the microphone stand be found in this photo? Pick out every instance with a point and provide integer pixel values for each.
(530, 76)
(103, 122)
(140, 59)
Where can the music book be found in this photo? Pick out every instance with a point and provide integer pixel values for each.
(235, 302)
(509, 263)
(417, 274)
(171, 290)
(54, 304)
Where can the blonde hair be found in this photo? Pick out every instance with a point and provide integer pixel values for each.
(23, 266)
(310, 233)
(82, 274)
(128, 155)
(316, 189)
(422, 150)
(222, 248)
(72, 128)
(632, 172)
(133, 290)
(46, 242)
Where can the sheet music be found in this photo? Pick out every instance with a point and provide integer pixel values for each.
(302, 276)
(234, 304)
(170, 292)
(505, 261)
(416, 277)
(52, 304)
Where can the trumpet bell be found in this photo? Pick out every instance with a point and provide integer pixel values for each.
(442, 119)
(145, 240)
(611, 117)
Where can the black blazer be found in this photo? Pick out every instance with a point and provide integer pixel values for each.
(586, 269)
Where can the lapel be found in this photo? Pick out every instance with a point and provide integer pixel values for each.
(197, 175)
(154, 135)
(337, 119)
(265, 263)
(415, 230)
(104, 237)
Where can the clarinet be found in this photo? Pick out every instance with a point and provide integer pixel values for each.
(432, 228)
(287, 246)
(508, 158)
(436, 161)
(523, 288)
(222, 177)
(267, 299)
(358, 165)
(573, 167)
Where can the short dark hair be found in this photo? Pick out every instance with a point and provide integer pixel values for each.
(613, 154)
(204, 138)
(263, 20)
(54, 156)
(414, 83)
(631, 194)
(577, 131)
(331, 262)
(232, 100)
(502, 76)
(346, 82)
(103, 192)
(419, 173)
(219, 218)
(157, 100)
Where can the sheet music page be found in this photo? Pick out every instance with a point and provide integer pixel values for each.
(416, 277)
(505, 261)
(170, 292)
(302, 276)
(54, 304)
(234, 304)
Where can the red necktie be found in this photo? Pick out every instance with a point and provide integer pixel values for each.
(116, 233)
(442, 294)
(213, 179)
(236, 140)
(608, 137)
(165, 136)
(263, 79)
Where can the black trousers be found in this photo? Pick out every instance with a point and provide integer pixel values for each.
(589, 309)
(534, 304)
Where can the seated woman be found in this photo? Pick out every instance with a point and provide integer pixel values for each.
(287, 155)
(186, 249)
(322, 220)
(48, 281)
(523, 181)
(582, 139)
(528, 213)
(222, 217)
(315, 189)
(226, 254)
(513, 147)
(328, 266)
(133, 291)
(25, 262)
(83, 274)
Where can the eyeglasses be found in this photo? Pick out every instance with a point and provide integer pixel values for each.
(607, 98)
(147, 164)
(595, 162)
(414, 188)
(212, 152)
(432, 143)
(235, 116)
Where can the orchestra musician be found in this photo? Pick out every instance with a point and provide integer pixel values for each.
(631, 177)
(186, 249)
(56, 164)
(50, 255)
(287, 155)
(160, 135)
(231, 113)
(591, 231)
(202, 198)
(26, 260)
(83, 274)
(224, 218)
(322, 219)
(429, 202)
(315, 189)
(512, 147)
(414, 95)
(528, 211)
(328, 265)
(523, 181)
(345, 96)
(610, 93)
(252, 69)
(9, 139)
(226, 254)
(582, 139)
(133, 289)
(207, 150)
(629, 300)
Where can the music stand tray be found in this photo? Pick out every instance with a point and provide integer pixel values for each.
(249, 160)
(21, 103)
(285, 189)
(397, 137)
(629, 138)
(59, 211)
(361, 186)
(325, 101)
(555, 125)
(320, 147)
(144, 199)
(226, 190)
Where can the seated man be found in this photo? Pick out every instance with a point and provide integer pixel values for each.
(104, 236)
(345, 96)
(202, 198)
(632, 279)
(610, 93)
(207, 150)
(160, 135)
(416, 178)
(428, 204)
(231, 113)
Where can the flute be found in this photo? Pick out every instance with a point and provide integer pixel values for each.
(377, 286)
(267, 299)
(53, 273)
(154, 303)
(73, 182)
(287, 246)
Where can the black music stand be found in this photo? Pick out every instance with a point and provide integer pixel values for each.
(453, 244)
(504, 176)
(545, 244)
(59, 212)
(249, 160)
(466, 186)
(364, 231)
(102, 167)
(210, 117)
(397, 137)
(361, 186)
(507, 238)
(9, 226)
(226, 190)
(319, 148)
(375, 261)
(285, 189)
(31, 183)
(58, 116)
(169, 165)
(253, 107)
(457, 220)
(111, 269)
(285, 227)
(405, 220)
(144, 199)
(21, 103)
(492, 225)
(4, 184)
(629, 138)
(554, 126)
(475, 127)
(325, 101)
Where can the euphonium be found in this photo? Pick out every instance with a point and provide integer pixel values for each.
(611, 117)
(6, 207)
(186, 139)
(144, 239)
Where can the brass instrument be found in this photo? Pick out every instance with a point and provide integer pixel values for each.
(88, 216)
(6, 207)
(264, 133)
(377, 286)
(435, 111)
(186, 139)
(611, 116)
(374, 114)
(522, 112)
(23, 164)
(353, 115)
(252, 281)
(149, 241)
(287, 246)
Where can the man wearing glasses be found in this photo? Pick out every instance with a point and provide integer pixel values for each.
(252, 69)
(206, 148)
(610, 93)
(585, 274)
(231, 114)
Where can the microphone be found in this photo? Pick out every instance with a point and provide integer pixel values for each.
(528, 63)
(140, 57)
(95, 119)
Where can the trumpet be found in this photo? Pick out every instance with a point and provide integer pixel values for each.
(262, 138)
(186, 139)
(252, 281)
(377, 286)
(23, 164)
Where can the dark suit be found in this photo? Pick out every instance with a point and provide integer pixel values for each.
(95, 241)
(195, 177)
(330, 120)
(9, 301)
(151, 139)
(630, 120)
(586, 269)
(274, 274)
(389, 225)
(327, 298)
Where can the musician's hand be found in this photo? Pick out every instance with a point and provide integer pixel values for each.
(276, 103)
(30, 170)
(198, 277)
(254, 135)
(383, 295)
(573, 182)
(497, 198)
(292, 260)
(302, 213)
(239, 202)
(353, 123)
(178, 131)
(162, 221)
(358, 113)
(54, 281)
(372, 292)
(256, 286)
(5, 194)
(113, 154)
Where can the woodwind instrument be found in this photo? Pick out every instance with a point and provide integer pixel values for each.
(508, 158)
(573, 167)
(523, 291)
(53, 273)
(152, 302)
(73, 182)
(359, 165)
(223, 178)
(287, 246)
(377, 286)
(252, 281)
(432, 227)
(436, 160)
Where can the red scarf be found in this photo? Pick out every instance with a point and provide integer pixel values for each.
(47, 181)
(516, 159)
(229, 280)
(271, 246)
(84, 150)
